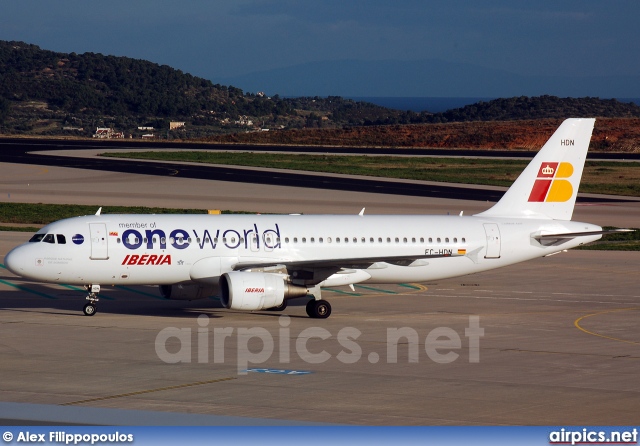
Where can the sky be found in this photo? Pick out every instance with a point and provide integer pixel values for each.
(228, 39)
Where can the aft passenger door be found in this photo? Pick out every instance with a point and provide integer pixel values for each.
(493, 241)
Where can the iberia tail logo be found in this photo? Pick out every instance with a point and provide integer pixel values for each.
(551, 185)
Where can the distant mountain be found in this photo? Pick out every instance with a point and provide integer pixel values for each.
(108, 84)
(539, 107)
(427, 78)
(89, 90)
(48, 93)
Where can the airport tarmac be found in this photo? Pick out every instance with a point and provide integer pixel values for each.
(557, 337)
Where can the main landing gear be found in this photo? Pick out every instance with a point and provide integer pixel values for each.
(90, 308)
(318, 309)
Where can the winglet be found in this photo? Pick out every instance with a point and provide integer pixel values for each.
(548, 187)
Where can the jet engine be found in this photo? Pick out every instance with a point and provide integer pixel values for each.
(186, 291)
(256, 291)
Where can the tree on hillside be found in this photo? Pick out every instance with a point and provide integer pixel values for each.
(5, 106)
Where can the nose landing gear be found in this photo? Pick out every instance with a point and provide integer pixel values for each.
(90, 308)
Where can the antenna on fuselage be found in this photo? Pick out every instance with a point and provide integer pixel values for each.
(362, 212)
(99, 210)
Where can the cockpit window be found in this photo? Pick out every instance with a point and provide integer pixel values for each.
(48, 238)
(37, 238)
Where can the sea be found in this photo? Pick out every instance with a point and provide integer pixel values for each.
(436, 104)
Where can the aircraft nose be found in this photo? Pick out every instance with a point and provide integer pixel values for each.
(14, 261)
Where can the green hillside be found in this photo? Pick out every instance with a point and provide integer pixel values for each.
(540, 107)
(40, 88)
(48, 93)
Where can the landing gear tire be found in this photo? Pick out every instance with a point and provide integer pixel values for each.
(280, 307)
(90, 309)
(318, 309)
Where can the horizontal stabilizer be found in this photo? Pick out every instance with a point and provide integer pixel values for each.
(571, 235)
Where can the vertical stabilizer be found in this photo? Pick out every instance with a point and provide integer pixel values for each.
(548, 187)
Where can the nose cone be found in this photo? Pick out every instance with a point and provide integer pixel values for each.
(15, 261)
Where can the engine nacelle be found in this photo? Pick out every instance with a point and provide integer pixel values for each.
(187, 291)
(256, 291)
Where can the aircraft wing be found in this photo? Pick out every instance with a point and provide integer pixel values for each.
(337, 264)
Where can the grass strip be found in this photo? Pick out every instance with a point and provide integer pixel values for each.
(19, 228)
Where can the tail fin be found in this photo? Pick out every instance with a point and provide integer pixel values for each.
(548, 187)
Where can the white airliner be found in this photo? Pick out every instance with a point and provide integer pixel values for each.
(258, 262)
